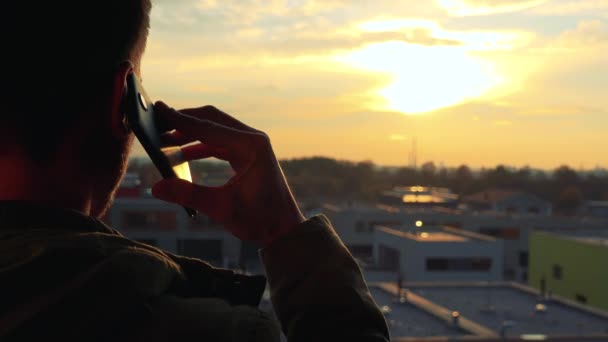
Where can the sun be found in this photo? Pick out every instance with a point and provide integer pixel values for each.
(425, 78)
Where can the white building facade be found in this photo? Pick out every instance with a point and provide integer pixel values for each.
(439, 254)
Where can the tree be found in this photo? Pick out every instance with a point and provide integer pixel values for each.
(569, 201)
(462, 180)
(565, 176)
(428, 171)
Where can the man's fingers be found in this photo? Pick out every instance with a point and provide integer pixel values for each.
(211, 113)
(175, 138)
(205, 130)
(202, 151)
(179, 191)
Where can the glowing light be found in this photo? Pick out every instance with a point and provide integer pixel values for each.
(437, 69)
(420, 199)
(424, 235)
(418, 224)
(533, 337)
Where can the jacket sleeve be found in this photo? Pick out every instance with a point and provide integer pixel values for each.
(317, 288)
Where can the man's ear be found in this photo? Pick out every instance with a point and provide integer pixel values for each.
(119, 92)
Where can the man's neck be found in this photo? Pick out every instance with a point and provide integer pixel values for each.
(23, 180)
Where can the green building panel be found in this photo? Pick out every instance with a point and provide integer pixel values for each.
(571, 268)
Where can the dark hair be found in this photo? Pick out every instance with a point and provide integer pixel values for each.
(59, 57)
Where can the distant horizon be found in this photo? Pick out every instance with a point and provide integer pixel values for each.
(438, 165)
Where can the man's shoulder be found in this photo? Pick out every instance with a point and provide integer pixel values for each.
(62, 272)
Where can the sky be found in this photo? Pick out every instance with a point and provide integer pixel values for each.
(477, 82)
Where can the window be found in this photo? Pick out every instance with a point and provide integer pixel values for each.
(534, 210)
(523, 258)
(437, 264)
(388, 258)
(557, 272)
(359, 227)
(480, 264)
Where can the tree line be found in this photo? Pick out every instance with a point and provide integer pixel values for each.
(321, 179)
(325, 178)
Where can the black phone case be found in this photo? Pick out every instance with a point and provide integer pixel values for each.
(142, 121)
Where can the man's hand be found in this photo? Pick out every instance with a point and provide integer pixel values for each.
(256, 204)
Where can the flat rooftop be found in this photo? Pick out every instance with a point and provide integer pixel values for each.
(405, 320)
(593, 240)
(492, 305)
(436, 234)
(589, 236)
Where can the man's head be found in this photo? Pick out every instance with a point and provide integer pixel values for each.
(64, 65)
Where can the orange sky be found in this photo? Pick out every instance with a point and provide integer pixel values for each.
(481, 82)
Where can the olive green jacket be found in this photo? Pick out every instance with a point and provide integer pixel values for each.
(65, 276)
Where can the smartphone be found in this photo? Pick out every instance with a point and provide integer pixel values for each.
(141, 119)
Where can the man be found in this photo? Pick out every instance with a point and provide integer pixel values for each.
(63, 149)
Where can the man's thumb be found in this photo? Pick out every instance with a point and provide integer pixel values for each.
(190, 195)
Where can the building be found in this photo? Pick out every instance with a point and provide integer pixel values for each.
(507, 201)
(407, 320)
(130, 186)
(596, 209)
(503, 310)
(354, 223)
(571, 263)
(168, 227)
(484, 312)
(438, 254)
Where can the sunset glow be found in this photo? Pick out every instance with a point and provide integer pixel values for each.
(425, 78)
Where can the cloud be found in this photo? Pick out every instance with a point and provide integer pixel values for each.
(486, 7)
(293, 28)
(572, 7)
(587, 34)
(291, 42)
(260, 88)
(555, 111)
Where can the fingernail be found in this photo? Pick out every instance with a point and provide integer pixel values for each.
(162, 104)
